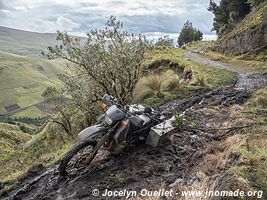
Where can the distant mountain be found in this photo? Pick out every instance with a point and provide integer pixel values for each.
(24, 42)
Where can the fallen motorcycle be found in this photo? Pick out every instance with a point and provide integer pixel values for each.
(118, 127)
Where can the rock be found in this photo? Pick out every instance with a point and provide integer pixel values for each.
(193, 181)
(176, 182)
(247, 37)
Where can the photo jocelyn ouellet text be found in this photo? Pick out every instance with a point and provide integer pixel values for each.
(170, 193)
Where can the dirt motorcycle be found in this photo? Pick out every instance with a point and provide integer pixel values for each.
(118, 127)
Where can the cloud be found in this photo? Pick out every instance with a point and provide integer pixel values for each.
(82, 15)
(66, 24)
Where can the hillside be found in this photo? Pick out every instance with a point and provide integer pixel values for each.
(11, 141)
(24, 42)
(24, 74)
(248, 37)
(23, 79)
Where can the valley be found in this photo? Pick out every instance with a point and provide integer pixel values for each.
(25, 75)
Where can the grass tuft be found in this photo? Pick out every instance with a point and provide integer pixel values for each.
(155, 85)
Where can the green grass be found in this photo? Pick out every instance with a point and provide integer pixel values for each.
(254, 63)
(31, 112)
(15, 158)
(155, 101)
(24, 42)
(254, 152)
(23, 79)
(214, 77)
(149, 89)
(251, 21)
(11, 141)
(254, 58)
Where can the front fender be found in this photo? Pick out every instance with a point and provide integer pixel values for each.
(91, 132)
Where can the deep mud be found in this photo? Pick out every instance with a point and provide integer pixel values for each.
(194, 157)
(142, 166)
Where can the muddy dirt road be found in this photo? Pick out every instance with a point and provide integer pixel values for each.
(185, 159)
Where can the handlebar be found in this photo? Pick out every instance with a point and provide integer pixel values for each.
(110, 100)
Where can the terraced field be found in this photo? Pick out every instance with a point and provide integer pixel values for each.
(22, 81)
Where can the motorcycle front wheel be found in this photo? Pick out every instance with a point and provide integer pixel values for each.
(62, 168)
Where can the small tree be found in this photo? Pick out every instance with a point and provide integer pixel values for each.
(189, 34)
(227, 14)
(61, 114)
(105, 57)
(198, 35)
(165, 41)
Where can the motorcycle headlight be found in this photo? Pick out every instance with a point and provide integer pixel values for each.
(108, 121)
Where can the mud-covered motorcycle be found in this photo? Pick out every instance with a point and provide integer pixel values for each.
(118, 127)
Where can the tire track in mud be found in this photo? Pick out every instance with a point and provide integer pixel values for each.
(194, 158)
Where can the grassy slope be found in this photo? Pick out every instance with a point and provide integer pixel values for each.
(251, 64)
(45, 148)
(210, 76)
(249, 23)
(213, 76)
(11, 141)
(255, 62)
(24, 42)
(23, 79)
(48, 146)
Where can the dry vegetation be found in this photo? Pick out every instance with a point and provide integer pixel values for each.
(253, 165)
(156, 84)
(255, 63)
(238, 162)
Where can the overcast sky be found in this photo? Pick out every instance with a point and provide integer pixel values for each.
(79, 16)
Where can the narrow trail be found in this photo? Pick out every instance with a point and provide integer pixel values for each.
(196, 157)
(246, 79)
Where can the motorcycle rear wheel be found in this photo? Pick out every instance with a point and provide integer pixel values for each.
(69, 155)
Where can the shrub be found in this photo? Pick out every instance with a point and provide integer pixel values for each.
(165, 41)
(105, 57)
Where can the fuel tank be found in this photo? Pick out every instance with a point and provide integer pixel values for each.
(91, 132)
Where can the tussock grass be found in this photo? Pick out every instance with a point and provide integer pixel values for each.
(156, 84)
(258, 100)
(201, 80)
(214, 77)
